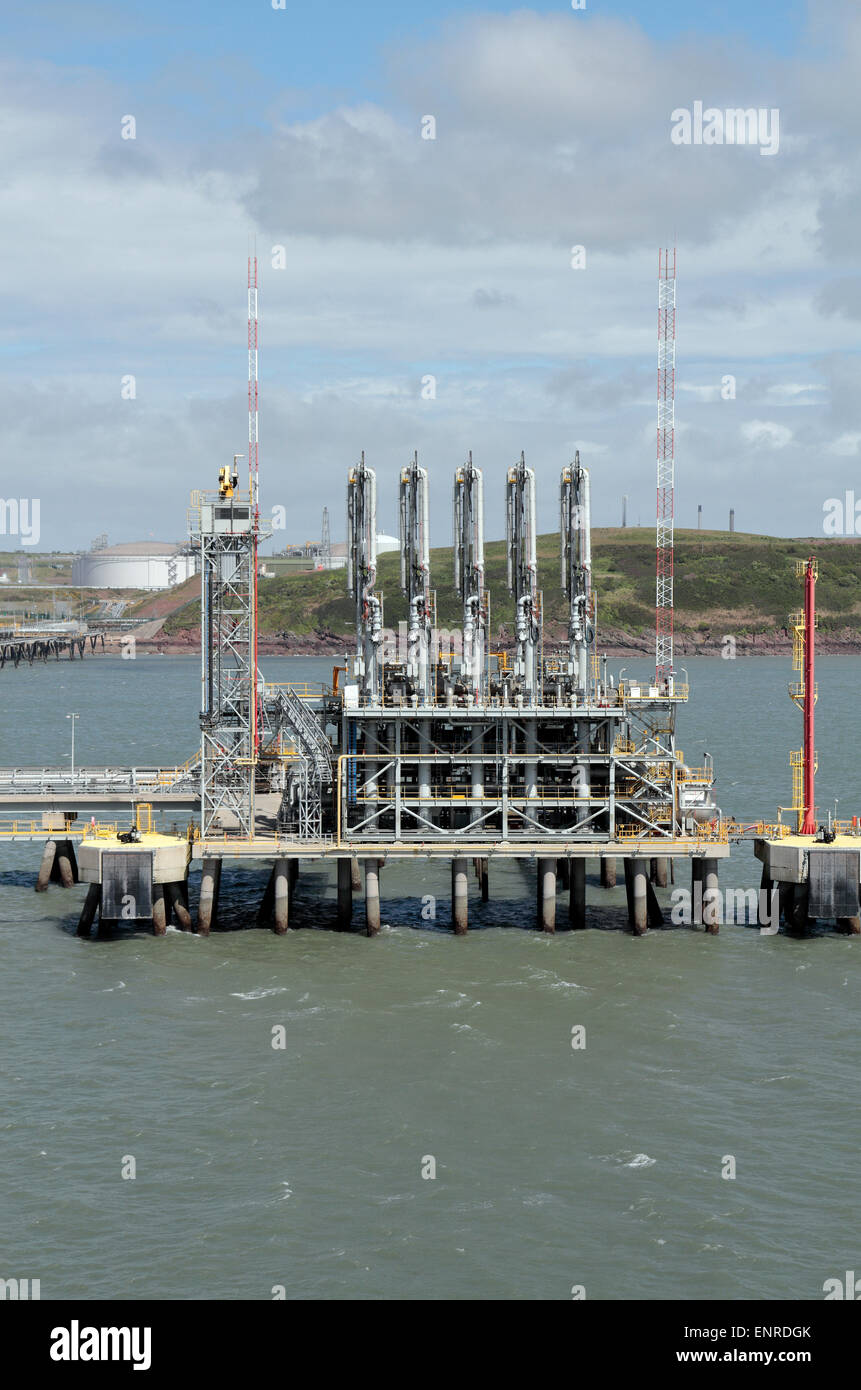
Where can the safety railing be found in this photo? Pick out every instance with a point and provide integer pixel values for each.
(10, 829)
(644, 690)
(306, 690)
(716, 831)
(637, 830)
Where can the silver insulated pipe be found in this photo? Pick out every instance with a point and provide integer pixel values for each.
(576, 569)
(415, 573)
(362, 574)
(468, 517)
(521, 537)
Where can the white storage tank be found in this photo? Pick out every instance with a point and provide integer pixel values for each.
(135, 565)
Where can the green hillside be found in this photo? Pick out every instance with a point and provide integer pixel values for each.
(744, 583)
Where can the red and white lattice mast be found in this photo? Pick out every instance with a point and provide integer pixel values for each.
(666, 467)
(253, 463)
(253, 466)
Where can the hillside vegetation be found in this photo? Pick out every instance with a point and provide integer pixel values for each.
(738, 583)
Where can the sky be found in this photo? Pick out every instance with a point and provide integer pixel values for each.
(421, 293)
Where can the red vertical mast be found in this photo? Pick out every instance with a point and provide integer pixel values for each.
(808, 825)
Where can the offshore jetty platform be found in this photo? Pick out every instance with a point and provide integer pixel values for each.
(428, 745)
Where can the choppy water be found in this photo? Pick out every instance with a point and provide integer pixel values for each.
(302, 1167)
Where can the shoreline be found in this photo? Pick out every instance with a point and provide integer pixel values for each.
(618, 646)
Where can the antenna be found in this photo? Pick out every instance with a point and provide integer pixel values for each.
(666, 466)
(326, 542)
(254, 473)
(253, 461)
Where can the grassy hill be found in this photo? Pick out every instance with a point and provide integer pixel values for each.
(724, 583)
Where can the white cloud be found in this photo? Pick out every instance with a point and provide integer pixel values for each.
(450, 257)
(847, 445)
(767, 434)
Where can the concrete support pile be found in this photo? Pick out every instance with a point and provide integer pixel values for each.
(345, 894)
(577, 894)
(59, 865)
(210, 887)
(711, 897)
(459, 896)
(547, 895)
(372, 897)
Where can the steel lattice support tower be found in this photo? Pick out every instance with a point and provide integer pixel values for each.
(226, 534)
(666, 465)
(224, 528)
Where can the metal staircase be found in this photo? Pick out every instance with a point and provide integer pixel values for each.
(288, 710)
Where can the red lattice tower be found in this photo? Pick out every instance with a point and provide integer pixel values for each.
(253, 462)
(666, 465)
(253, 473)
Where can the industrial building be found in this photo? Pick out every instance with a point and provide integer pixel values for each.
(302, 559)
(135, 565)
